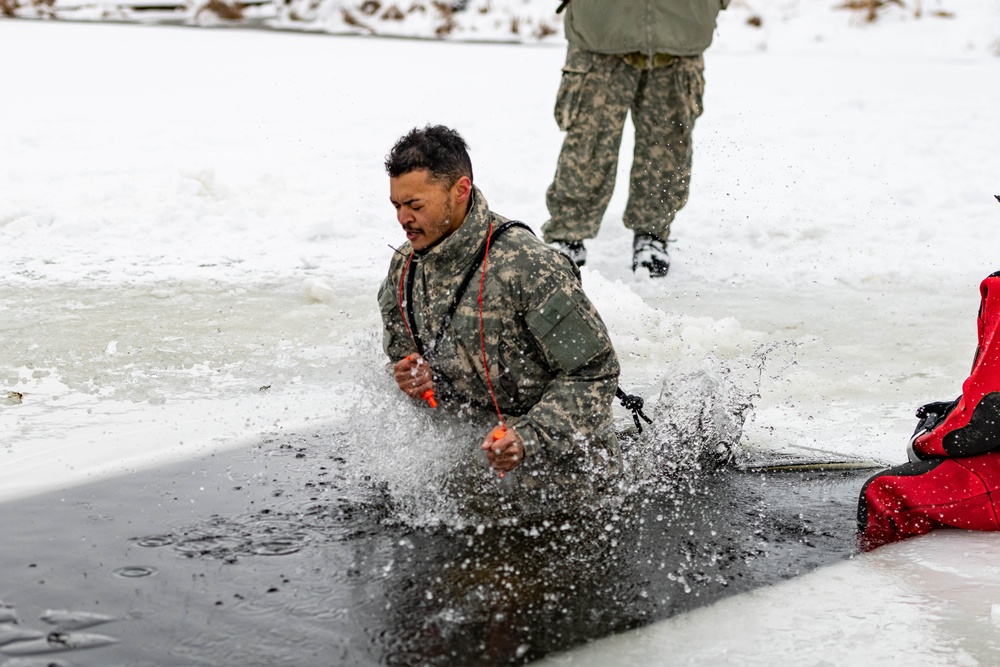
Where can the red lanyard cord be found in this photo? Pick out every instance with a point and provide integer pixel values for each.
(482, 333)
(500, 431)
(403, 287)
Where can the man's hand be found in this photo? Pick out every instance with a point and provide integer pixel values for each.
(506, 453)
(414, 376)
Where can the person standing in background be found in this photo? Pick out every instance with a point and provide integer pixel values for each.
(638, 56)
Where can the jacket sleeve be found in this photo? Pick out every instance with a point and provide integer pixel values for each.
(575, 407)
(973, 426)
(395, 340)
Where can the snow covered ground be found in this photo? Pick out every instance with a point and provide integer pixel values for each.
(194, 223)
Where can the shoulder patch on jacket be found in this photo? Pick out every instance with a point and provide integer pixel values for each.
(565, 332)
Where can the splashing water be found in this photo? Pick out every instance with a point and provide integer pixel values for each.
(429, 465)
(698, 417)
(432, 471)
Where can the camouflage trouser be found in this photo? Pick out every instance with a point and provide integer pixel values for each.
(595, 94)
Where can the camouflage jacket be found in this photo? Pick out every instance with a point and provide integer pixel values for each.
(551, 363)
(675, 27)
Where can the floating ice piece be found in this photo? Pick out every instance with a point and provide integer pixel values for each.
(12, 633)
(995, 613)
(74, 620)
(35, 662)
(318, 289)
(57, 641)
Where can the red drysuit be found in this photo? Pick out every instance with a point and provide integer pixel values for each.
(955, 479)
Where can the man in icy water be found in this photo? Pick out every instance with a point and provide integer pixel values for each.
(953, 477)
(486, 322)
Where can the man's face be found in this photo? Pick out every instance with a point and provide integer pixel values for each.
(427, 209)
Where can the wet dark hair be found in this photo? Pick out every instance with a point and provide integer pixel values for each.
(436, 148)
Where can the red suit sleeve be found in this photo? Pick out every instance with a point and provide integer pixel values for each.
(973, 427)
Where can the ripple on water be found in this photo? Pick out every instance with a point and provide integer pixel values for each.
(211, 545)
(280, 545)
(153, 541)
(135, 571)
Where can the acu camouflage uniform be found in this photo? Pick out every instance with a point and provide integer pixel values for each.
(552, 366)
(638, 56)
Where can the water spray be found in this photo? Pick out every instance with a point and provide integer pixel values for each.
(429, 394)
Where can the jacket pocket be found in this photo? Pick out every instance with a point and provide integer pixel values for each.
(564, 332)
(574, 72)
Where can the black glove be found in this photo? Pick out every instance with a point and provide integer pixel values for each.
(929, 416)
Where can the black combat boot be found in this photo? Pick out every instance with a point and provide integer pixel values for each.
(651, 253)
(572, 249)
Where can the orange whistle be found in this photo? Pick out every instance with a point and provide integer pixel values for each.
(429, 397)
(429, 394)
(498, 433)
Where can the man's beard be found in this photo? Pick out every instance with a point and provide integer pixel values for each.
(442, 226)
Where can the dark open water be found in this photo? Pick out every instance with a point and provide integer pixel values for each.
(272, 556)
